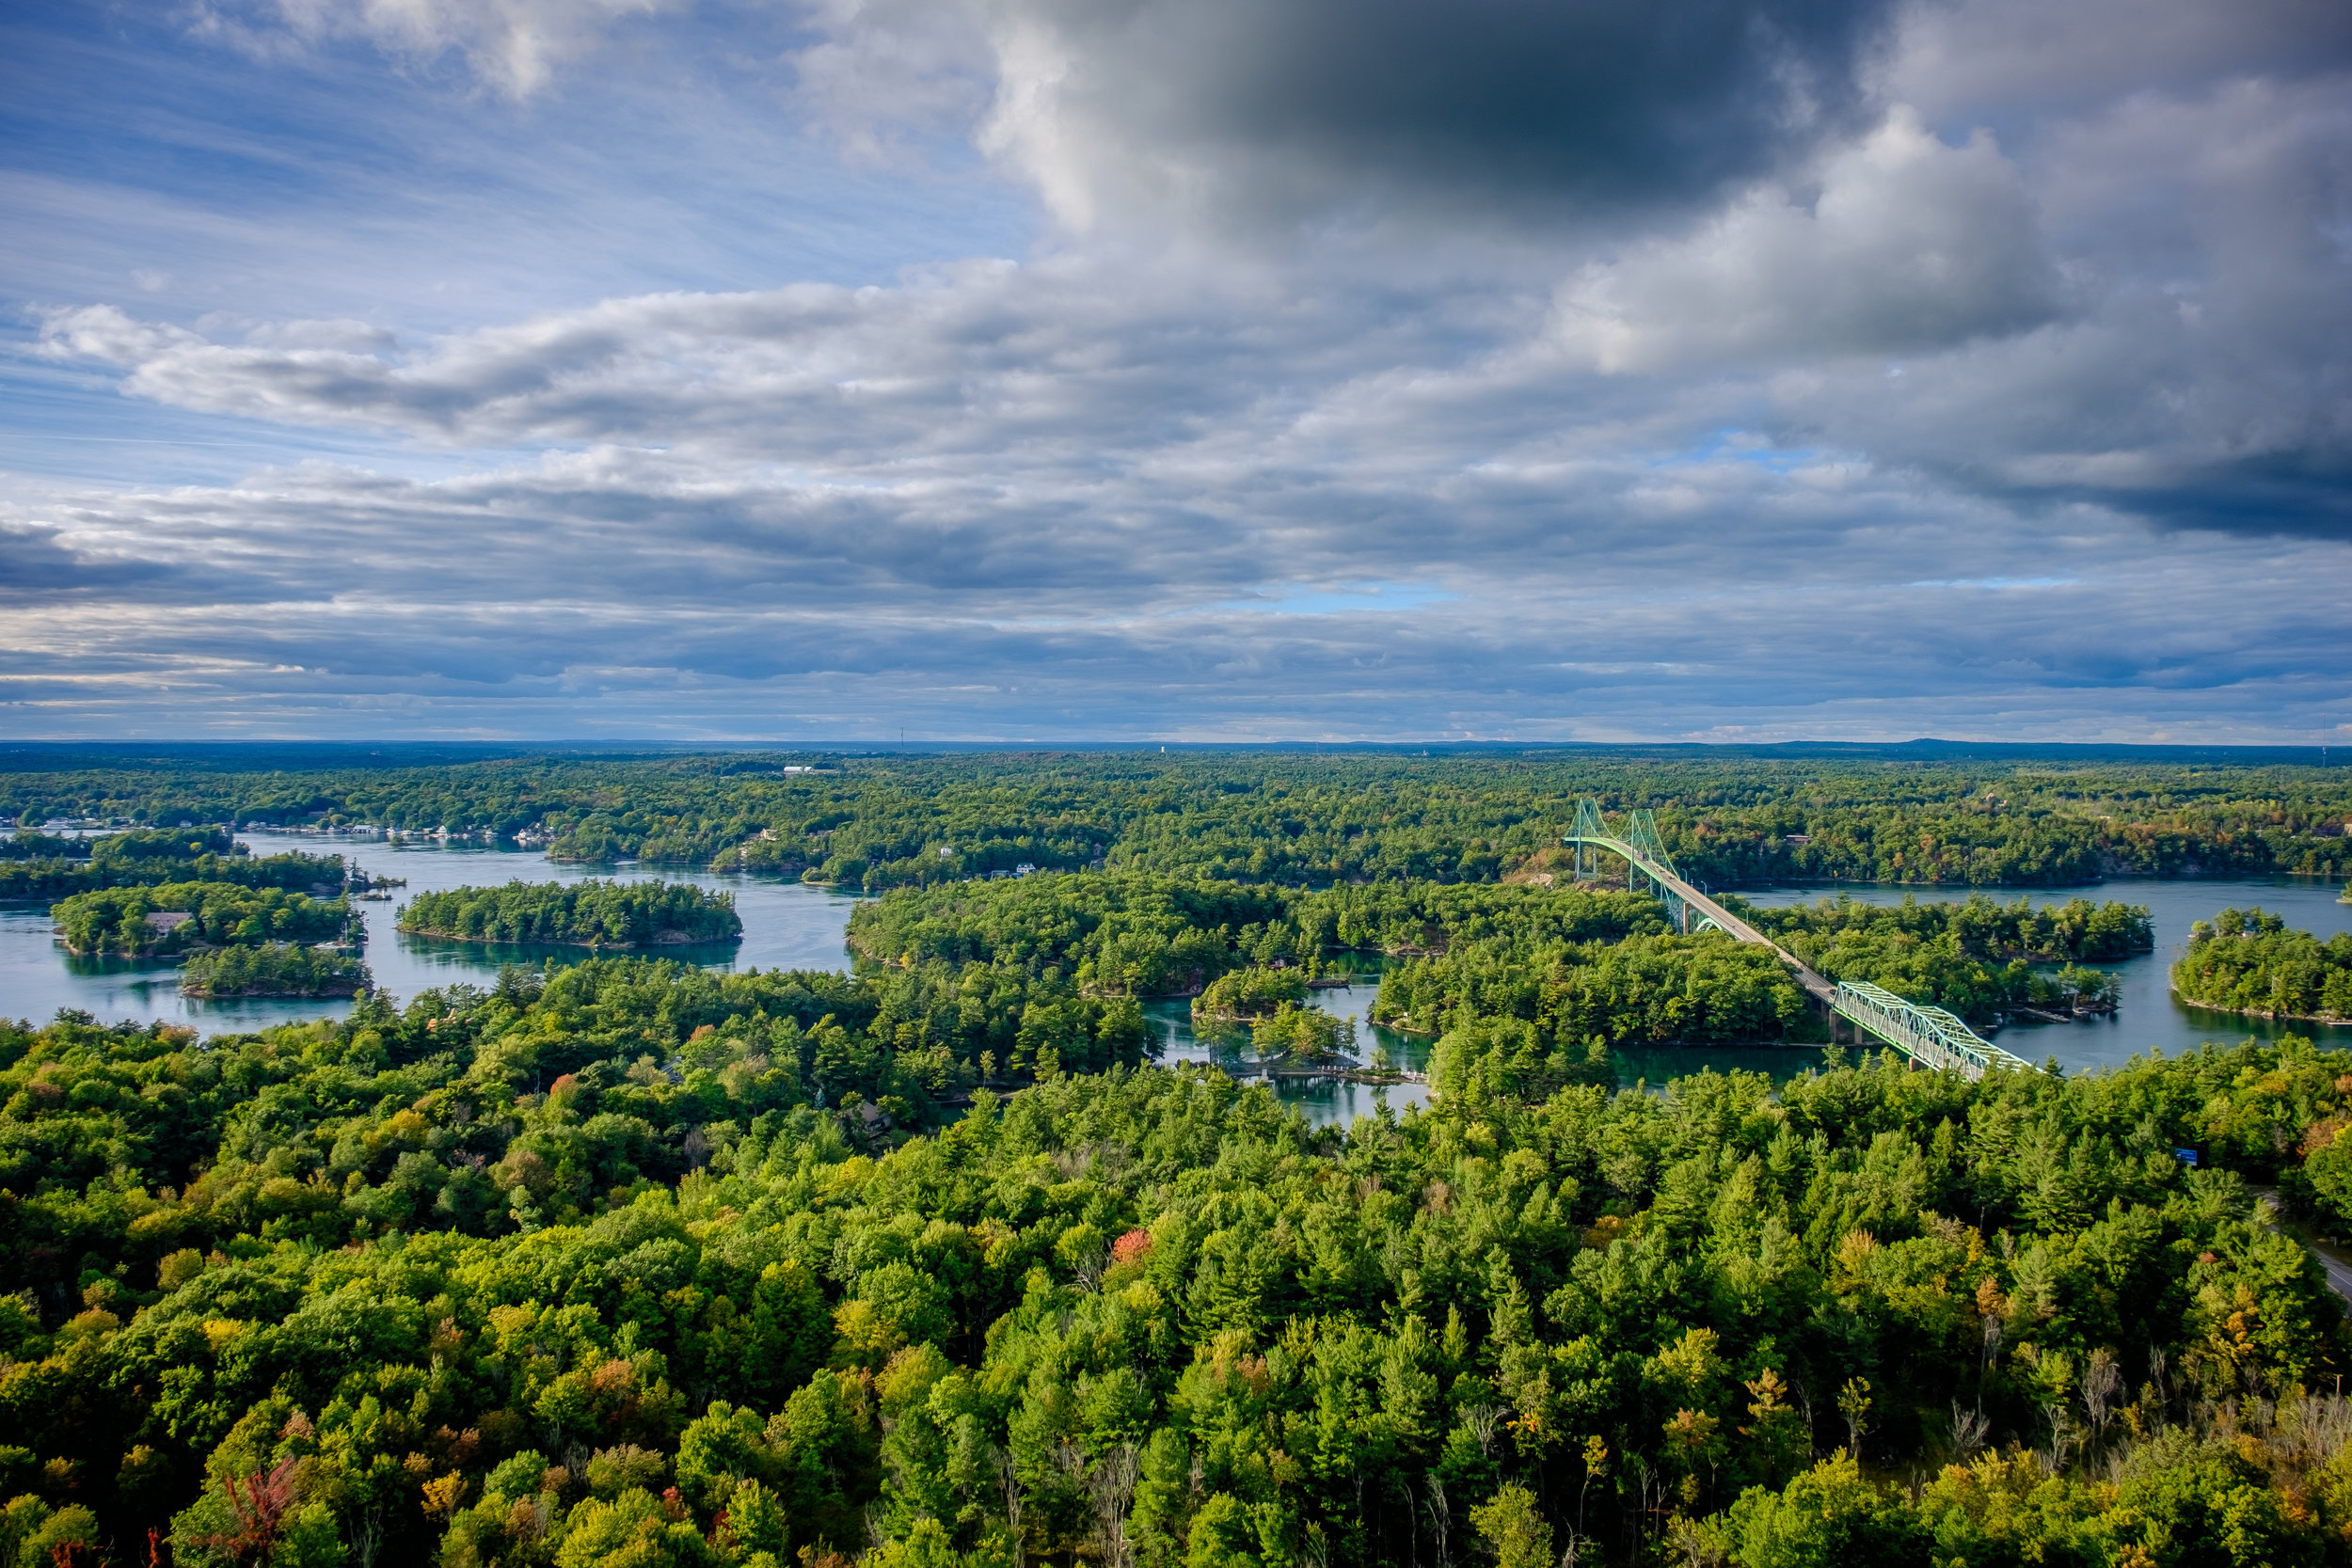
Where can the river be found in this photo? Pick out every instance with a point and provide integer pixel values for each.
(786, 925)
(2148, 1017)
(790, 925)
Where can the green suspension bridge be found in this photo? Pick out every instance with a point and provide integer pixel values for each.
(1929, 1036)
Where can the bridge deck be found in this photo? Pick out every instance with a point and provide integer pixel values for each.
(1926, 1034)
(1731, 924)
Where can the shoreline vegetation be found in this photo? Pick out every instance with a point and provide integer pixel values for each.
(156, 920)
(592, 915)
(1977, 957)
(932, 1265)
(1878, 815)
(272, 969)
(2248, 963)
(1243, 996)
(38, 865)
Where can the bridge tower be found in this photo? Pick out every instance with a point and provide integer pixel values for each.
(1588, 828)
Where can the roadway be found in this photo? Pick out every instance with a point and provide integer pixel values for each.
(2270, 1209)
(1731, 924)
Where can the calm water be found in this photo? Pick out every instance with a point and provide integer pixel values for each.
(2147, 1017)
(790, 926)
(785, 926)
(1322, 1099)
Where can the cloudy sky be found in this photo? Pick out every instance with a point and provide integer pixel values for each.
(1177, 369)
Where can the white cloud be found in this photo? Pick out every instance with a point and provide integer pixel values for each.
(1872, 420)
(1906, 244)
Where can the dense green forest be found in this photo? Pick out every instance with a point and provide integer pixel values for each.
(2247, 961)
(1150, 934)
(2076, 930)
(1645, 989)
(1127, 932)
(1976, 957)
(577, 1270)
(1252, 992)
(929, 1265)
(272, 969)
(1066, 954)
(39, 867)
(1729, 817)
(116, 920)
(591, 914)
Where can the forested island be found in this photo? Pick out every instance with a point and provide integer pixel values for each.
(933, 1265)
(38, 865)
(272, 969)
(2247, 961)
(591, 914)
(1245, 995)
(579, 1269)
(1975, 957)
(171, 917)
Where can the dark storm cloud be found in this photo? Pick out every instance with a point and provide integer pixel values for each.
(2017, 57)
(1580, 103)
(1565, 370)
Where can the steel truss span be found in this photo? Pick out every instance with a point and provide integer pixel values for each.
(1929, 1036)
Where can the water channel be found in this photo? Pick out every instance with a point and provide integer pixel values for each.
(2148, 1017)
(786, 925)
(790, 925)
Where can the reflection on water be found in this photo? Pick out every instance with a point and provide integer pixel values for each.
(441, 958)
(99, 965)
(2148, 1017)
(790, 925)
(785, 926)
(1324, 1102)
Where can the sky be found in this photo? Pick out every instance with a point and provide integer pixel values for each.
(1177, 370)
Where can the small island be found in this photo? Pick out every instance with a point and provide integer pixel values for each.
(272, 969)
(2248, 962)
(592, 913)
(1297, 1037)
(1246, 995)
(177, 917)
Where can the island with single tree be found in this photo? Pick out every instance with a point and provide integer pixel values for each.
(591, 914)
